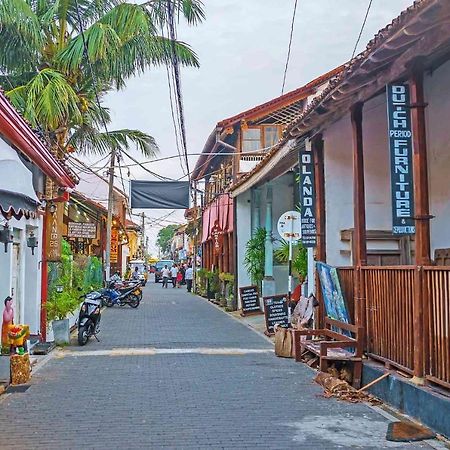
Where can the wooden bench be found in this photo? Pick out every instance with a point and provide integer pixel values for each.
(330, 345)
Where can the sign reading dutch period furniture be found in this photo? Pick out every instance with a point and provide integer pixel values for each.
(276, 312)
(249, 300)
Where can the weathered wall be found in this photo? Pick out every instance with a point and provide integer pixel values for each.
(437, 95)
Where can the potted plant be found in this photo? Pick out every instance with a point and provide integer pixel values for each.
(58, 307)
(255, 256)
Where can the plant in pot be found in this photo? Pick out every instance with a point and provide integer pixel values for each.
(63, 296)
(58, 307)
(255, 256)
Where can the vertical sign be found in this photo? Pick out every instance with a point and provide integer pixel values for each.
(217, 238)
(114, 254)
(400, 145)
(54, 232)
(307, 195)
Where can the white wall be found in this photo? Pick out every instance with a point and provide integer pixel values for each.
(27, 301)
(437, 95)
(338, 188)
(243, 234)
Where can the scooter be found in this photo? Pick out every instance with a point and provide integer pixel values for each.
(129, 295)
(123, 284)
(89, 317)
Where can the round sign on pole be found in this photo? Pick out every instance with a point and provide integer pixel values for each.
(289, 226)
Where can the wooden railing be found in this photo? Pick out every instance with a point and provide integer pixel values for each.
(437, 293)
(407, 317)
(346, 278)
(389, 296)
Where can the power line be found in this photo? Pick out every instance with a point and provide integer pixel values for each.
(289, 47)
(362, 28)
(176, 73)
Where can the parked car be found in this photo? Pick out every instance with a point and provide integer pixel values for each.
(159, 266)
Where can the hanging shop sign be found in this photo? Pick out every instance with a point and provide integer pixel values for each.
(217, 238)
(400, 145)
(54, 218)
(289, 226)
(85, 230)
(114, 254)
(307, 195)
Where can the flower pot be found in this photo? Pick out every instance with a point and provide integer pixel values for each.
(61, 332)
(231, 304)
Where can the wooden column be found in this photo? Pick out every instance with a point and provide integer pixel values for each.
(231, 252)
(359, 214)
(319, 181)
(422, 216)
(421, 202)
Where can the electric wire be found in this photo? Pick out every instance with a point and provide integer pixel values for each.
(362, 29)
(289, 46)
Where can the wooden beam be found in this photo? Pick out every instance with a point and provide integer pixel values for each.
(319, 178)
(359, 209)
(359, 215)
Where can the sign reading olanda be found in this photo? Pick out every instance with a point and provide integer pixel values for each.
(307, 195)
(400, 144)
(85, 230)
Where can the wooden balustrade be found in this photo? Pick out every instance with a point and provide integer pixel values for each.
(390, 296)
(437, 293)
(347, 280)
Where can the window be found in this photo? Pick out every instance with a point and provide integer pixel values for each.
(251, 139)
(270, 136)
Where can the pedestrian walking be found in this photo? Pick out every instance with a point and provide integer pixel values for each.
(179, 278)
(182, 272)
(174, 273)
(189, 275)
(165, 276)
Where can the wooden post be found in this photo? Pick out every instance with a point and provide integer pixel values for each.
(421, 202)
(422, 216)
(319, 181)
(359, 214)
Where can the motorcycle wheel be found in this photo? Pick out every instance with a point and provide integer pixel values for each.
(83, 335)
(134, 301)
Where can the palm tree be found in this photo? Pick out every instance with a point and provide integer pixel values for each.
(55, 83)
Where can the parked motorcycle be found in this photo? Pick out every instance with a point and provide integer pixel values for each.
(89, 317)
(122, 284)
(127, 295)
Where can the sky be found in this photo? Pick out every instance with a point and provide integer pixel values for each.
(242, 47)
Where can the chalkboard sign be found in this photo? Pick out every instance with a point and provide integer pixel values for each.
(276, 311)
(249, 300)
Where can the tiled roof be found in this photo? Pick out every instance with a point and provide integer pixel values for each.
(348, 70)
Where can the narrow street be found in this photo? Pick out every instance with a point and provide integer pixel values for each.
(179, 373)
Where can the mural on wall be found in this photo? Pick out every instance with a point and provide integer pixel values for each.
(335, 306)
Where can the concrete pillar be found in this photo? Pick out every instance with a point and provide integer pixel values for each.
(268, 285)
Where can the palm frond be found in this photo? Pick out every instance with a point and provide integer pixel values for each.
(191, 10)
(47, 100)
(88, 140)
(21, 37)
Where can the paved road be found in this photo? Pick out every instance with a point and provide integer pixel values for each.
(177, 373)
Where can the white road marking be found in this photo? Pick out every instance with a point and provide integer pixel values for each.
(150, 351)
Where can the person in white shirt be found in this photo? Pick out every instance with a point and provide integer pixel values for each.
(189, 275)
(174, 272)
(165, 276)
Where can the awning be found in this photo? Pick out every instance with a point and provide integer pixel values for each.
(17, 196)
(221, 210)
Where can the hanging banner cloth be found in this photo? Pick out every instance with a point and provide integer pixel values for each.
(17, 196)
(159, 194)
(221, 209)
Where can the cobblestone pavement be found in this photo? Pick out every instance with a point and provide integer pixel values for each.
(196, 391)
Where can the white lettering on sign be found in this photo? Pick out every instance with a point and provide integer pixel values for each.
(400, 142)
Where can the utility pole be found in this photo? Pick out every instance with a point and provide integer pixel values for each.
(110, 215)
(143, 236)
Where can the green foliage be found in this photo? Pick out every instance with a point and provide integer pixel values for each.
(164, 238)
(76, 276)
(299, 257)
(42, 54)
(255, 256)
